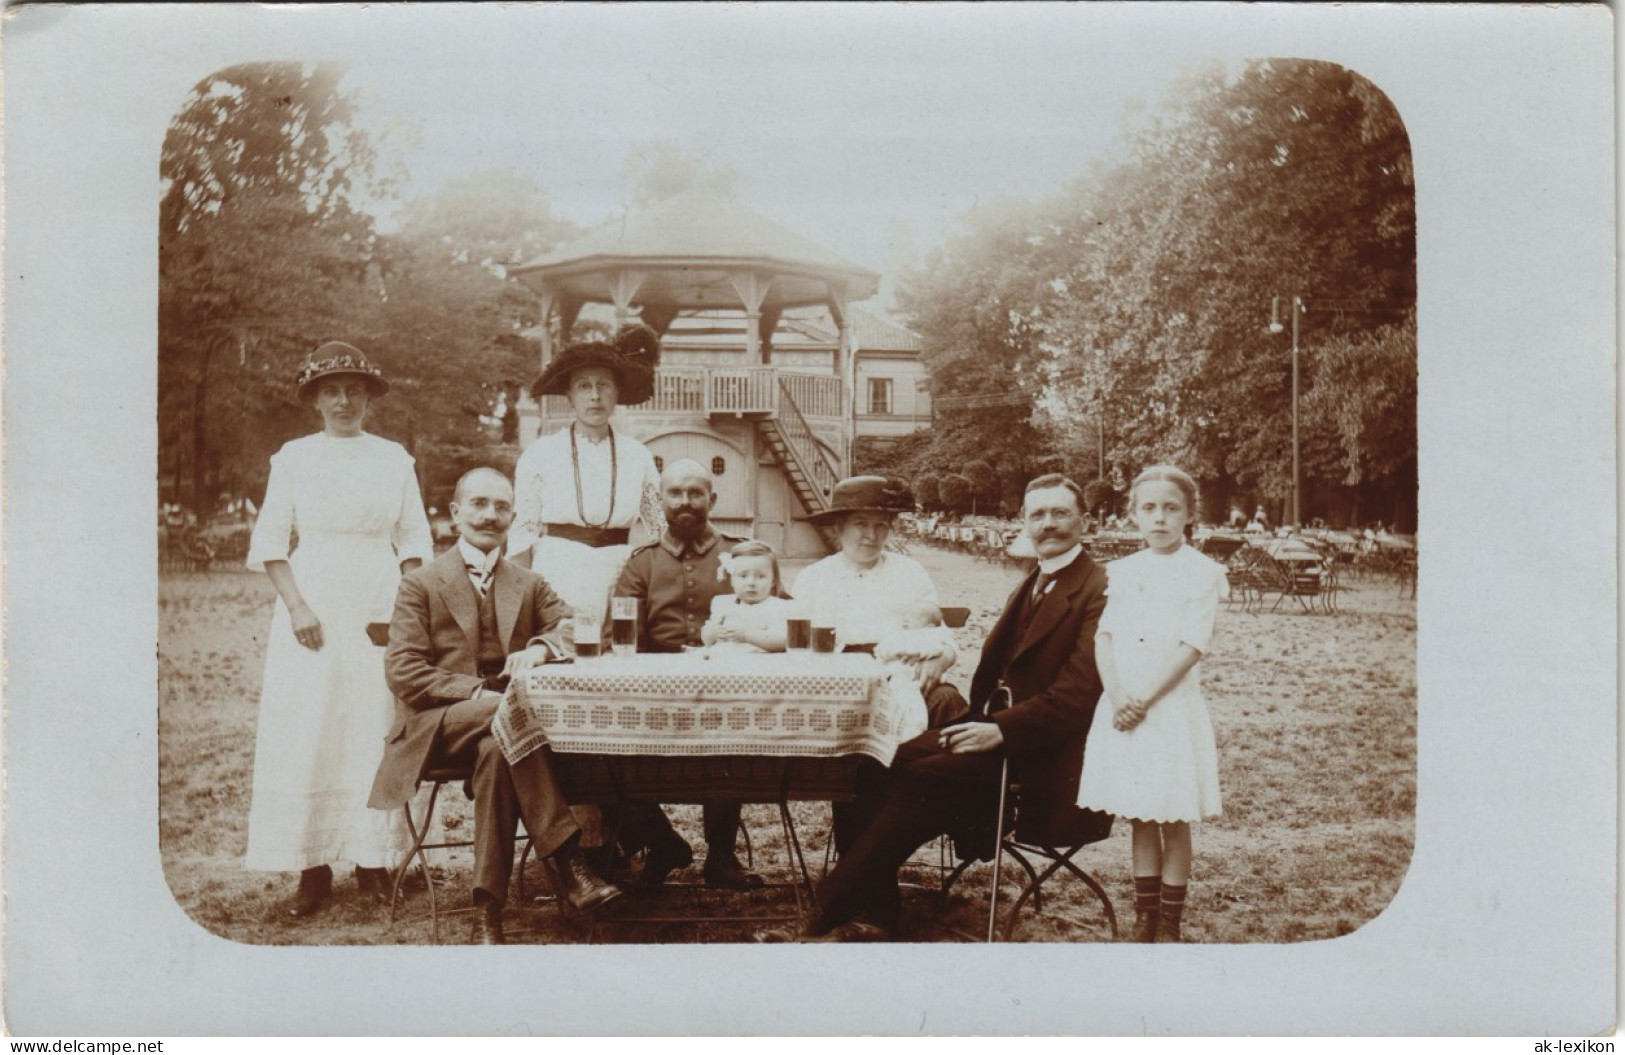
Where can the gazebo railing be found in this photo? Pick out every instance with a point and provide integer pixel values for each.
(712, 390)
(741, 390)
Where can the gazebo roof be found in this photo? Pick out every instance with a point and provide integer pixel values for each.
(687, 252)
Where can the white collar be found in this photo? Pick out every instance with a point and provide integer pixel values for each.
(473, 558)
(1051, 565)
(851, 566)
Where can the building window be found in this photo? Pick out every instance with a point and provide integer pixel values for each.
(718, 466)
(880, 395)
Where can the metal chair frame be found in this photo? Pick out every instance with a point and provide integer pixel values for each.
(1025, 853)
(437, 779)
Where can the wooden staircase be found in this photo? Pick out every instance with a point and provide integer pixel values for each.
(807, 465)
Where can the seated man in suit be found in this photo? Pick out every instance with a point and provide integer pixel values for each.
(676, 576)
(1034, 697)
(461, 625)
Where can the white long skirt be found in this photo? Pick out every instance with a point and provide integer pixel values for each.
(323, 718)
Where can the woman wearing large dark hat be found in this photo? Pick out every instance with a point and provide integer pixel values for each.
(587, 482)
(324, 707)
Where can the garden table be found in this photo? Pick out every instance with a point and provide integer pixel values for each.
(707, 726)
(705, 703)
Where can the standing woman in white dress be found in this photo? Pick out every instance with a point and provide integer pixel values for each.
(586, 485)
(587, 482)
(352, 501)
(1152, 758)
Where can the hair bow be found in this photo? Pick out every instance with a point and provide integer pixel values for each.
(725, 565)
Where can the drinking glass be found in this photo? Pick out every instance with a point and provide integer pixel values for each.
(624, 625)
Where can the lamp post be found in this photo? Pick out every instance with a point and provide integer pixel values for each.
(1100, 428)
(1100, 411)
(1276, 327)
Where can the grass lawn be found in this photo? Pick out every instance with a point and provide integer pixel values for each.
(1315, 715)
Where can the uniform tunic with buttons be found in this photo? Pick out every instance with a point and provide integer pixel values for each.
(676, 578)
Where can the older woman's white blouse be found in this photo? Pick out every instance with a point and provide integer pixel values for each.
(867, 604)
(545, 487)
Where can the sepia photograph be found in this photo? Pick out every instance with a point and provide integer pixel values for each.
(730, 483)
(390, 352)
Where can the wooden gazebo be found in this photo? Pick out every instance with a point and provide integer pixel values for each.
(703, 252)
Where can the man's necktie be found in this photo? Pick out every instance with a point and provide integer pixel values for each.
(481, 578)
(1034, 599)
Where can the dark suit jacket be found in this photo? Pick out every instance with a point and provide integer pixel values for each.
(433, 656)
(1050, 671)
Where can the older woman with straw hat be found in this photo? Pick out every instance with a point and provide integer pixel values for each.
(883, 602)
(353, 500)
(875, 598)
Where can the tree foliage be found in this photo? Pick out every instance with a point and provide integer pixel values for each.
(956, 493)
(265, 253)
(656, 170)
(928, 491)
(453, 325)
(1135, 302)
(261, 256)
(1100, 497)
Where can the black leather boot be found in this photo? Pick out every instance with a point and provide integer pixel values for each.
(315, 887)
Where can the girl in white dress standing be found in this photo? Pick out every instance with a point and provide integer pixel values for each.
(352, 498)
(1151, 756)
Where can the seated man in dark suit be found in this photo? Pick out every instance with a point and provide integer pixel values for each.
(1034, 694)
(461, 625)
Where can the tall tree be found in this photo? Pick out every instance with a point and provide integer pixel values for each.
(1122, 321)
(976, 305)
(261, 255)
(1287, 179)
(453, 324)
(655, 170)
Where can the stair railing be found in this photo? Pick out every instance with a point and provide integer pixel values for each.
(804, 448)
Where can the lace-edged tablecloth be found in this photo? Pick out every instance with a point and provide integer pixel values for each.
(700, 703)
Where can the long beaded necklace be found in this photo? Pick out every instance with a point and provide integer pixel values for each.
(614, 477)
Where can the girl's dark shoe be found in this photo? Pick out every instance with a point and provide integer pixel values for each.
(315, 887)
(1145, 927)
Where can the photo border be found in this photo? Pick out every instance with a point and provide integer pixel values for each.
(1499, 927)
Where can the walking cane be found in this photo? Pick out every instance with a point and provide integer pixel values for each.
(998, 702)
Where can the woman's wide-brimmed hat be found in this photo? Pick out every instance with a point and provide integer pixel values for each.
(865, 494)
(631, 357)
(333, 359)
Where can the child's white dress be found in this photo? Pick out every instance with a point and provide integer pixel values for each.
(769, 614)
(1167, 767)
